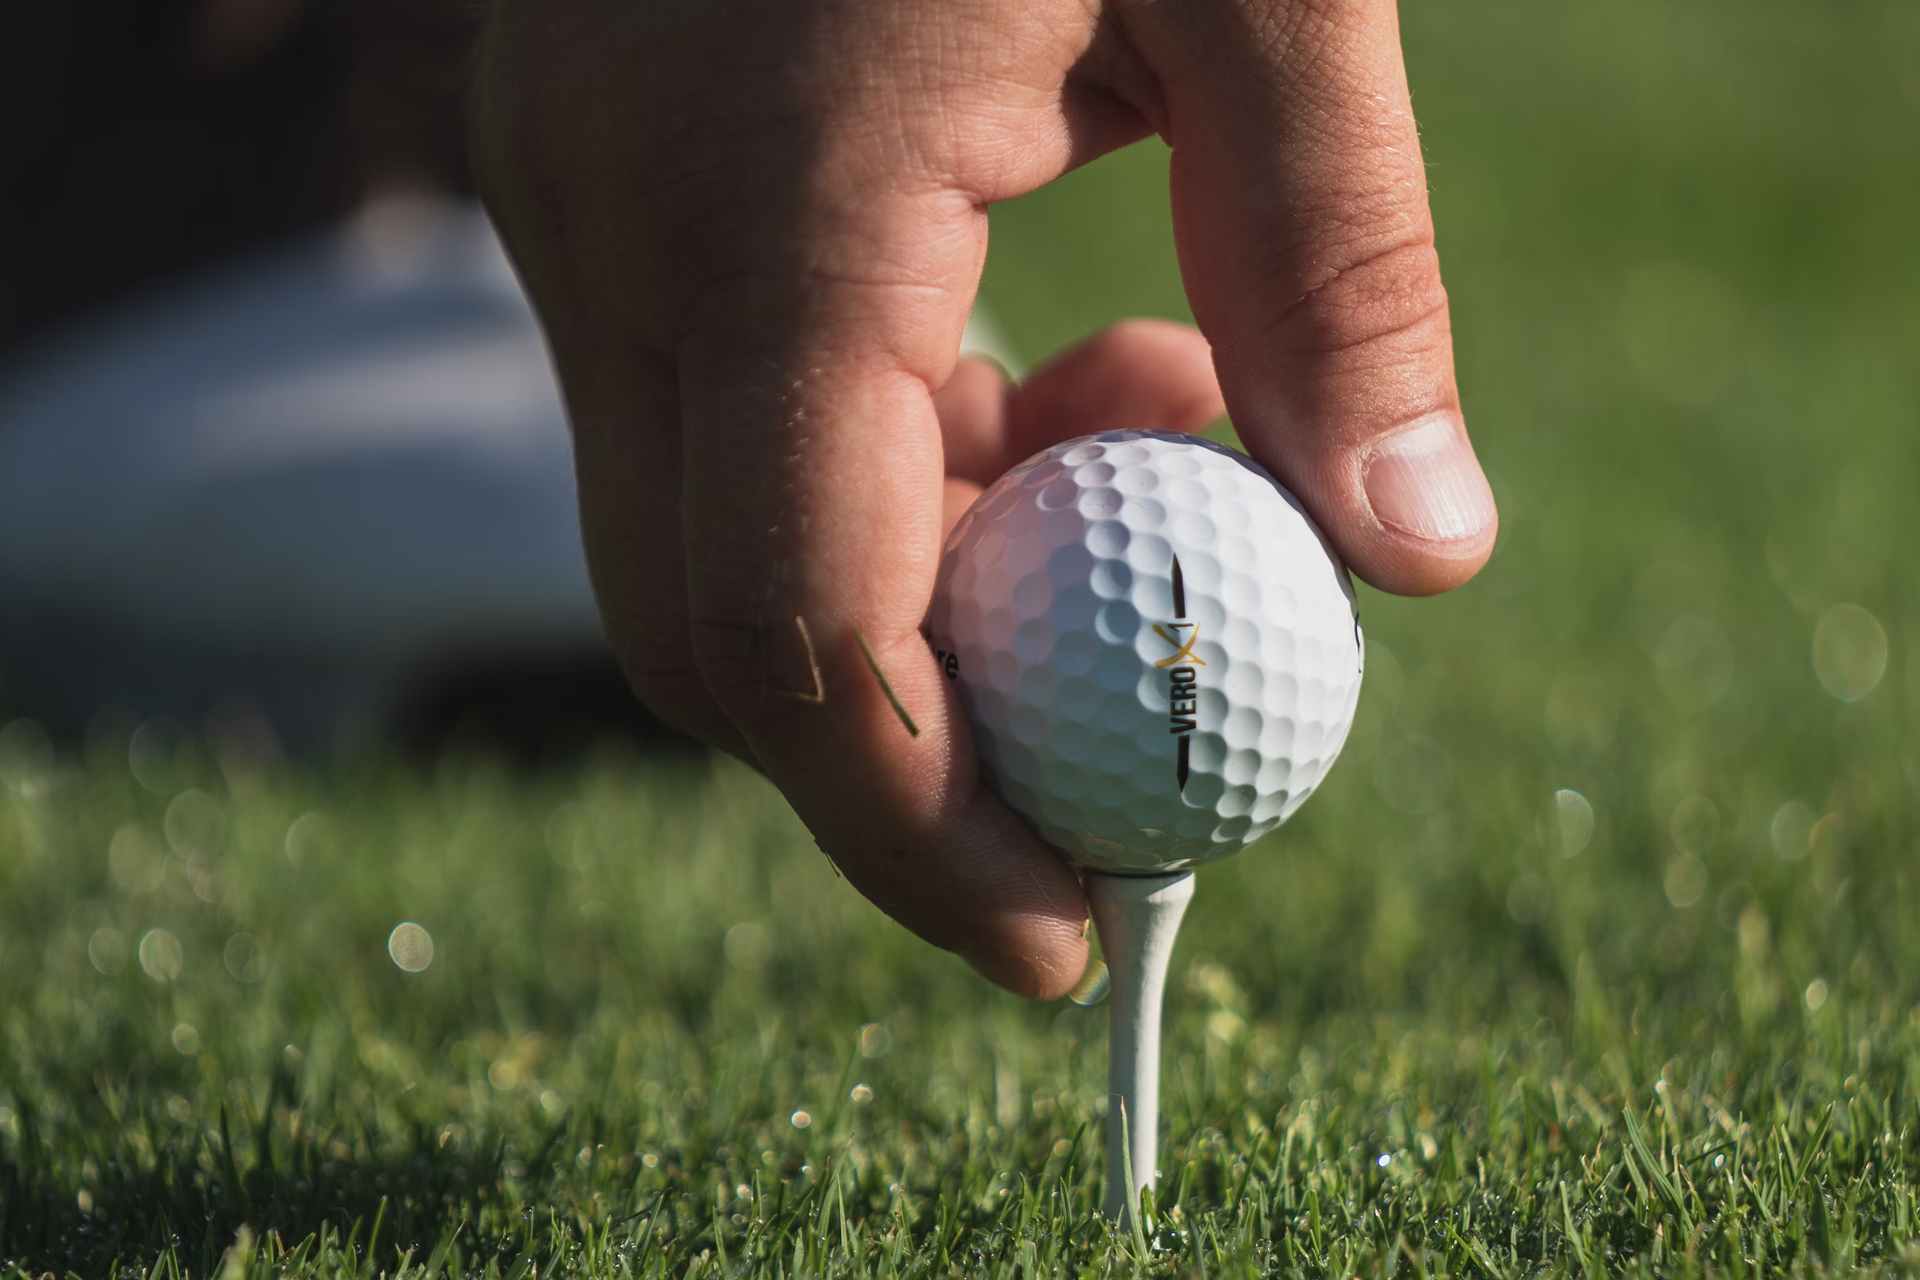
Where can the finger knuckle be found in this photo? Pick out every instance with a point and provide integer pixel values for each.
(667, 681)
(1387, 303)
(759, 670)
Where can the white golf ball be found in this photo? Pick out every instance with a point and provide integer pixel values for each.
(1159, 653)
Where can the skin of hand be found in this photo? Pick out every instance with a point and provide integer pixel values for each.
(753, 230)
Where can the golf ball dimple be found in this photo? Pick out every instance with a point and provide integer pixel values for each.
(1158, 652)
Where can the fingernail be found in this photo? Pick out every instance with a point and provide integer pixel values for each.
(1425, 481)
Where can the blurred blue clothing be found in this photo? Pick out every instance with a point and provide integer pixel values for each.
(343, 461)
(317, 478)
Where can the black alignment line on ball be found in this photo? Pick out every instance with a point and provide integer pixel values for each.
(1183, 760)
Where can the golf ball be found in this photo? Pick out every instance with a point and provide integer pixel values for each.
(1158, 651)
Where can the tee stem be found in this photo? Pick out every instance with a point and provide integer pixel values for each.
(1138, 917)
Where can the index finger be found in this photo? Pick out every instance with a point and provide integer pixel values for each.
(1300, 211)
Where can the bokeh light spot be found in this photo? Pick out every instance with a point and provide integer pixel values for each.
(159, 755)
(1695, 825)
(1686, 880)
(26, 757)
(1849, 652)
(245, 958)
(161, 955)
(748, 946)
(875, 1040)
(107, 949)
(195, 824)
(1791, 831)
(1567, 825)
(411, 946)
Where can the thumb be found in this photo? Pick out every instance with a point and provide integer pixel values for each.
(1300, 208)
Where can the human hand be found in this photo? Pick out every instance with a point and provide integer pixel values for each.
(753, 231)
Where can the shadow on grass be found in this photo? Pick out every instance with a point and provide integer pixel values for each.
(101, 1201)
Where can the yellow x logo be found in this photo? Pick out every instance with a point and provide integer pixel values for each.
(1185, 655)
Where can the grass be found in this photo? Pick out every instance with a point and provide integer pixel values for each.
(1596, 955)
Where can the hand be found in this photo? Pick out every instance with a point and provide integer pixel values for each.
(753, 230)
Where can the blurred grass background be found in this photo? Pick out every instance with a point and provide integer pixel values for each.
(1596, 953)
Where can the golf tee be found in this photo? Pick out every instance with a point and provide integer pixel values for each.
(1138, 918)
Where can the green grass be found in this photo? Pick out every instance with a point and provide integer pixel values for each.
(1440, 1023)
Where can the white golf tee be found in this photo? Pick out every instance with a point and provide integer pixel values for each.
(1138, 917)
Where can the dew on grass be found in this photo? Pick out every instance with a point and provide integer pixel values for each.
(1566, 823)
(1816, 995)
(245, 958)
(747, 946)
(411, 946)
(861, 1094)
(1849, 652)
(195, 824)
(1732, 904)
(1791, 832)
(1093, 985)
(26, 757)
(800, 1119)
(1695, 825)
(158, 753)
(1685, 880)
(306, 837)
(161, 955)
(186, 1040)
(107, 949)
(875, 1040)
